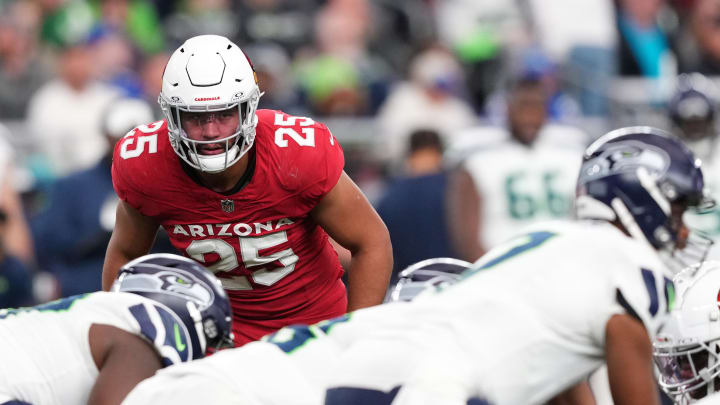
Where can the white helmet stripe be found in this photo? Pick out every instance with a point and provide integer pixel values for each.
(628, 220)
(649, 184)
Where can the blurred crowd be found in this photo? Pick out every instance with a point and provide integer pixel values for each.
(416, 88)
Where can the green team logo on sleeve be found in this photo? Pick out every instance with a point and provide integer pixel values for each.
(63, 304)
(179, 344)
(670, 294)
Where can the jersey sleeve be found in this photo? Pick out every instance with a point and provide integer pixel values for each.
(643, 293)
(132, 170)
(163, 329)
(304, 155)
(331, 162)
(121, 181)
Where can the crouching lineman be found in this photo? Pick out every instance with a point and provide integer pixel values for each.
(223, 378)
(94, 348)
(527, 322)
(687, 354)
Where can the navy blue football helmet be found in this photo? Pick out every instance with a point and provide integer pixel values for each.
(189, 290)
(425, 275)
(692, 108)
(643, 178)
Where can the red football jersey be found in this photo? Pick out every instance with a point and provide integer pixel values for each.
(275, 262)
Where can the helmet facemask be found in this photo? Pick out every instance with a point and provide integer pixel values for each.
(687, 372)
(210, 74)
(236, 145)
(679, 254)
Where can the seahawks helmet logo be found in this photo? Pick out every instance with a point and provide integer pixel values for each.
(177, 283)
(625, 157)
(187, 287)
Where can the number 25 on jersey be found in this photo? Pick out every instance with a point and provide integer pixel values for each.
(132, 147)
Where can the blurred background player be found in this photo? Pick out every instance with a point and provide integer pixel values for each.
(693, 113)
(252, 194)
(94, 348)
(494, 334)
(64, 115)
(687, 354)
(509, 177)
(74, 227)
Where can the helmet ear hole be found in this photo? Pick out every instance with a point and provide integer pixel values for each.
(211, 331)
(243, 112)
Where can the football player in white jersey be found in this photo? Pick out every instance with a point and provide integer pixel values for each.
(94, 348)
(513, 177)
(687, 353)
(526, 324)
(211, 380)
(693, 113)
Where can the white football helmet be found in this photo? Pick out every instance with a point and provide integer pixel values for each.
(210, 73)
(426, 275)
(687, 352)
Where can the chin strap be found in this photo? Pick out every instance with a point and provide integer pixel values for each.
(197, 321)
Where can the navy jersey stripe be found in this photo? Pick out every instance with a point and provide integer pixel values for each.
(626, 305)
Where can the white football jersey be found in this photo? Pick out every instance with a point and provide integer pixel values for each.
(527, 322)
(519, 185)
(45, 350)
(258, 373)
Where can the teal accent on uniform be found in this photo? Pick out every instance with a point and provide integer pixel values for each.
(179, 344)
(326, 325)
(291, 338)
(63, 304)
(535, 239)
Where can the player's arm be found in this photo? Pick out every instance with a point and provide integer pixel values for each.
(628, 352)
(132, 237)
(347, 216)
(463, 214)
(122, 359)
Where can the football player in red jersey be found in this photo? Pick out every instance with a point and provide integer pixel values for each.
(251, 194)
